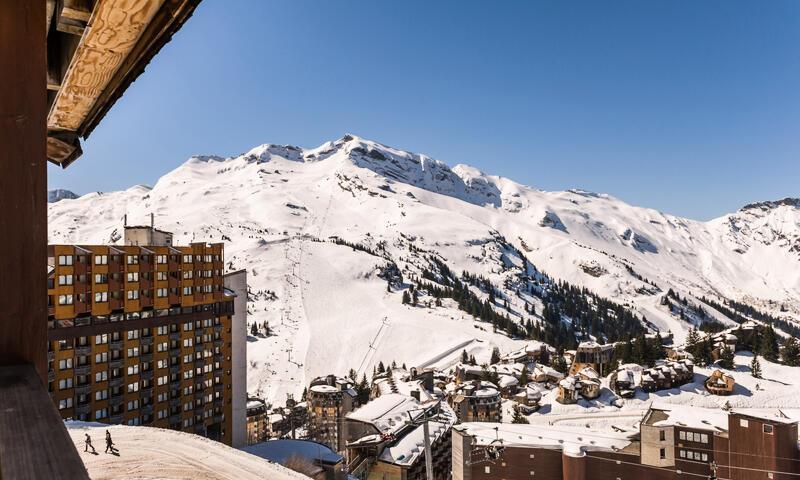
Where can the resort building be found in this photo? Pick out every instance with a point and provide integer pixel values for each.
(673, 442)
(142, 335)
(476, 401)
(328, 400)
(386, 438)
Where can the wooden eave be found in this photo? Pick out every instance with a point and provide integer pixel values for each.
(96, 49)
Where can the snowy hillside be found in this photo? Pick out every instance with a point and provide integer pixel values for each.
(147, 453)
(332, 238)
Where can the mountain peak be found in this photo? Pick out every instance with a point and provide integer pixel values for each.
(772, 204)
(60, 194)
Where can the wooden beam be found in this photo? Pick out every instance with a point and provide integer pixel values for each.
(23, 185)
(79, 10)
(114, 30)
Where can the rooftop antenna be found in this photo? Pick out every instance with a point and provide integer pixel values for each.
(125, 220)
(152, 220)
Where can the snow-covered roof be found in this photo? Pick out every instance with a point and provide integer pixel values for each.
(279, 451)
(691, 417)
(508, 381)
(324, 389)
(770, 415)
(571, 439)
(388, 413)
(411, 446)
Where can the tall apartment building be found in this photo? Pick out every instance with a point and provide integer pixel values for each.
(329, 399)
(141, 334)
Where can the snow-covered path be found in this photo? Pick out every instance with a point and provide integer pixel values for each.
(147, 453)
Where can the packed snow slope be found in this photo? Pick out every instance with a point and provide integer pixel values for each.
(146, 453)
(279, 208)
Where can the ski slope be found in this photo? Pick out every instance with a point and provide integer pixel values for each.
(278, 208)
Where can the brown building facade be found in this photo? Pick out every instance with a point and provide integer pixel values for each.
(141, 335)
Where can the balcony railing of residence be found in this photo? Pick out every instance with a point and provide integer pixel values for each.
(33, 438)
(95, 324)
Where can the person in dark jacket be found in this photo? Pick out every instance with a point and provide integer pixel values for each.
(109, 443)
(88, 443)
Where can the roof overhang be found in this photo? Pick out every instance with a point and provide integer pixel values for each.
(95, 50)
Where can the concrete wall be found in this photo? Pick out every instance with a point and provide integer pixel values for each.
(652, 445)
(237, 281)
(461, 453)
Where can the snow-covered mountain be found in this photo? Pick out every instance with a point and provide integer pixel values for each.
(59, 194)
(288, 214)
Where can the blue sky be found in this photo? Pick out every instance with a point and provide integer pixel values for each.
(689, 107)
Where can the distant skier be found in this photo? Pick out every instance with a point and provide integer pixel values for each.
(88, 443)
(109, 443)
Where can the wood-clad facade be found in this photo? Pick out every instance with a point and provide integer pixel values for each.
(141, 335)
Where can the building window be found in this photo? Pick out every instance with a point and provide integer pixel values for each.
(161, 275)
(65, 403)
(101, 376)
(65, 299)
(133, 352)
(65, 280)
(101, 395)
(704, 438)
(487, 469)
(187, 290)
(65, 383)
(101, 259)
(133, 294)
(65, 259)
(187, 259)
(133, 259)
(65, 364)
(161, 259)
(133, 334)
(682, 453)
(743, 423)
(100, 297)
(101, 339)
(101, 357)
(133, 276)
(662, 453)
(768, 429)
(133, 387)
(662, 435)
(102, 413)
(133, 369)
(161, 292)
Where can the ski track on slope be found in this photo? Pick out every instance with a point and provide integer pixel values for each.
(373, 197)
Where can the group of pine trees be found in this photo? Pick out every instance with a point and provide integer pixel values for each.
(640, 350)
(255, 329)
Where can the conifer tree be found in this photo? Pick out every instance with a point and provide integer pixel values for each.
(254, 329)
(464, 356)
(518, 417)
(523, 376)
(495, 356)
(406, 298)
(791, 352)
(726, 357)
(768, 346)
(755, 367)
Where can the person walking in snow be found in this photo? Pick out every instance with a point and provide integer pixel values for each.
(88, 443)
(109, 442)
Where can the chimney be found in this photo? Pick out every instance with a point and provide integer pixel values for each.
(152, 220)
(125, 220)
